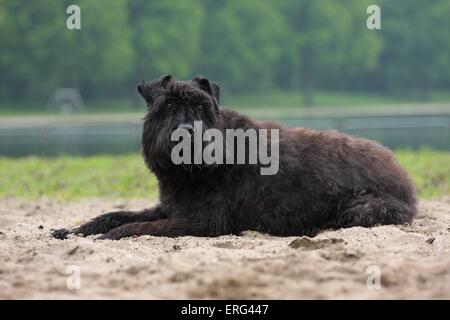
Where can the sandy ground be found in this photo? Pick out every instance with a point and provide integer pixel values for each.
(412, 261)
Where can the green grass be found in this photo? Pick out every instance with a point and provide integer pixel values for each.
(125, 176)
(77, 177)
(273, 100)
(113, 106)
(430, 171)
(294, 99)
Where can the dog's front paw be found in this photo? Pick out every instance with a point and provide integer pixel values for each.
(61, 234)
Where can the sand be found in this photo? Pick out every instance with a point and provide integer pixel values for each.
(411, 261)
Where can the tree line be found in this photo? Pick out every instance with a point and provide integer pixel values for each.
(245, 45)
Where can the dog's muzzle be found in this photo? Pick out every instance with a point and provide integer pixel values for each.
(188, 127)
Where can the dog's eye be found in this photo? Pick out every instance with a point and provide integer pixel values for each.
(200, 108)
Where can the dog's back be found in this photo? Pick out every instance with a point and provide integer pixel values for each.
(326, 179)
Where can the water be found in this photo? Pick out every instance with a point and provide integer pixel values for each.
(115, 138)
(396, 132)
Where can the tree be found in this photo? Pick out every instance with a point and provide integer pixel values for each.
(417, 48)
(250, 45)
(241, 44)
(330, 38)
(28, 54)
(99, 58)
(39, 53)
(166, 36)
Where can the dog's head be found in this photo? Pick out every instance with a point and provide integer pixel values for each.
(172, 105)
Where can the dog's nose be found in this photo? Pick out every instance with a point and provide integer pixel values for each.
(188, 127)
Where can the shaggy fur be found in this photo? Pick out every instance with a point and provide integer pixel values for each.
(326, 179)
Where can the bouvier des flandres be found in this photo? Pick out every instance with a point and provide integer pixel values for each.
(326, 179)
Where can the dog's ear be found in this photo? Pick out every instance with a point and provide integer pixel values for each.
(149, 89)
(140, 87)
(211, 87)
(215, 91)
(165, 80)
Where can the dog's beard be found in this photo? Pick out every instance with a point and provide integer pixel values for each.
(156, 153)
(194, 160)
(157, 147)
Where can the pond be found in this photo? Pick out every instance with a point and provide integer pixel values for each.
(124, 137)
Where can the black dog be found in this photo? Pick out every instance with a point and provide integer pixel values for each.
(325, 179)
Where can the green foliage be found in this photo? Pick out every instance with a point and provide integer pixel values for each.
(126, 176)
(330, 41)
(242, 40)
(28, 38)
(40, 54)
(166, 36)
(248, 46)
(101, 55)
(417, 45)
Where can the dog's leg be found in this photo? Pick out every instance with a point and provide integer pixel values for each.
(370, 210)
(164, 228)
(112, 220)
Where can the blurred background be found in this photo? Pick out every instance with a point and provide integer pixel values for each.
(303, 62)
